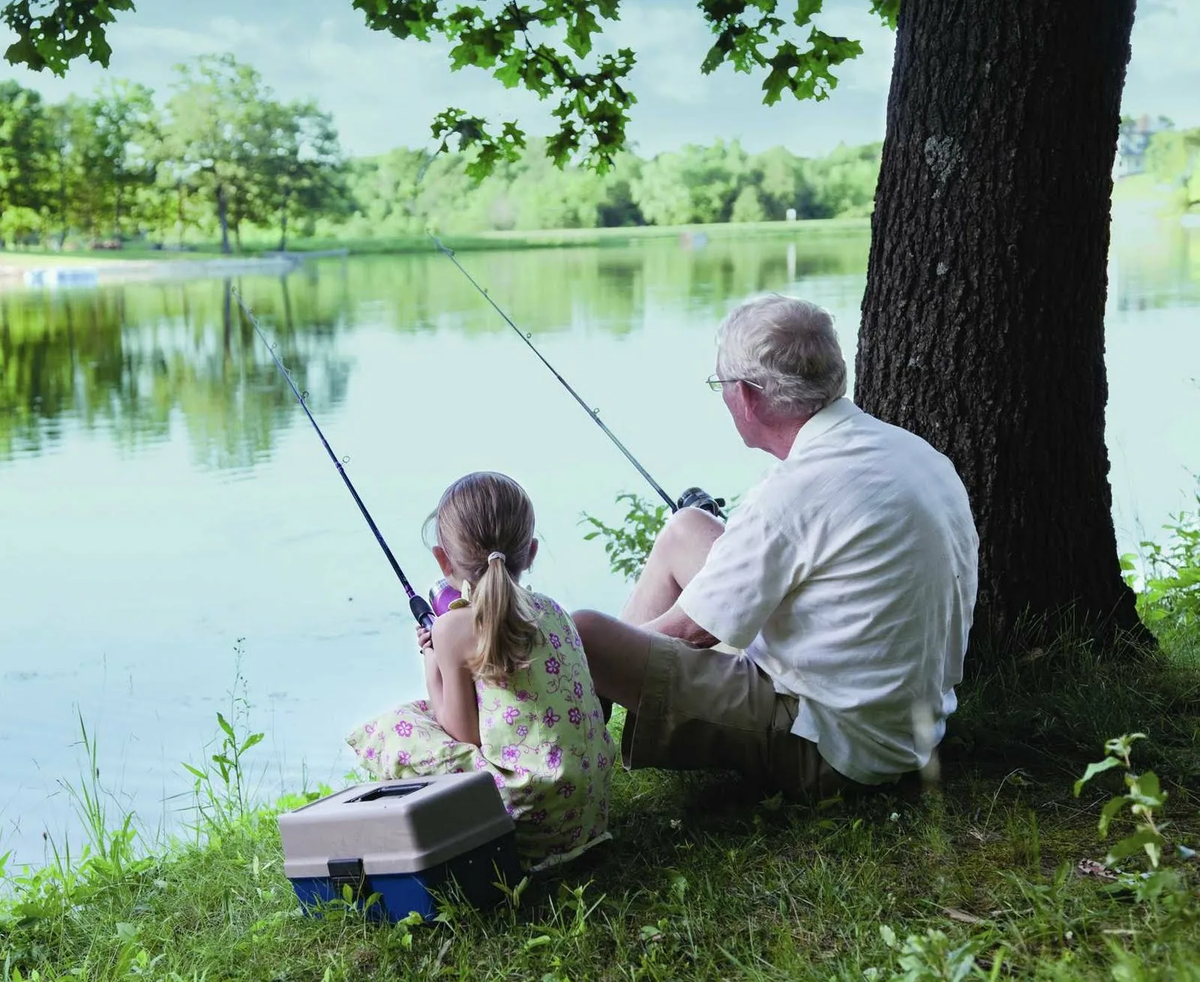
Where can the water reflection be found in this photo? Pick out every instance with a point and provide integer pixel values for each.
(134, 358)
(130, 359)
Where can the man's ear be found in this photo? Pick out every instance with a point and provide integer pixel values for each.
(443, 562)
(749, 400)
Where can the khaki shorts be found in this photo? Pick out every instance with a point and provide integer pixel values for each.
(704, 708)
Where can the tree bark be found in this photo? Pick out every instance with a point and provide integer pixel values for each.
(983, 318)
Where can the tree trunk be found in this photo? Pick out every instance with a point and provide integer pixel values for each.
(223, 218)
(983, 318)
(62, 202)
(283, 215)
(180, 214)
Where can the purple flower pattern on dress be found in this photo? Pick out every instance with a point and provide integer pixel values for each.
(553, 781)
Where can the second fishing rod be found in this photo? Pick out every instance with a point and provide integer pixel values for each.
(692, 497)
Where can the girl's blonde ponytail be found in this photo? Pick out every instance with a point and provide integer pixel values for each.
(485, 514)
(505, 622)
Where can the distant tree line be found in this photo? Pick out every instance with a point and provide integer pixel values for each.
(220, 156)
(719, 183)
(1173, 159)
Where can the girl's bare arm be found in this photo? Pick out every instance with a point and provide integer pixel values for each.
(456, 708)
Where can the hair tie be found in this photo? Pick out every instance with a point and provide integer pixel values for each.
(492, 557)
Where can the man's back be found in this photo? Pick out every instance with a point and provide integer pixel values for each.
(869, 556)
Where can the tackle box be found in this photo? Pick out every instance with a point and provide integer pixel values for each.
(403, 840)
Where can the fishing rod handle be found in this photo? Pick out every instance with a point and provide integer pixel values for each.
(421, 611)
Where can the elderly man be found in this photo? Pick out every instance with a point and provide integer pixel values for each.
(814, 641)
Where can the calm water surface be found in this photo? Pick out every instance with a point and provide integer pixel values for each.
(172, 532)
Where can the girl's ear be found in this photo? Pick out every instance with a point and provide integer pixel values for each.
(443, 562)
(532, 551)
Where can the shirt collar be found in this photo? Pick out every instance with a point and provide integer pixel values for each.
(822, 422)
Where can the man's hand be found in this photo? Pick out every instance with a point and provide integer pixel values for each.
(676, 624)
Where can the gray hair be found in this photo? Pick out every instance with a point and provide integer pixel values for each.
(789, 347)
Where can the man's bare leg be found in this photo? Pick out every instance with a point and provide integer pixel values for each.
(616, 650)
(677, 555)
(616, 654)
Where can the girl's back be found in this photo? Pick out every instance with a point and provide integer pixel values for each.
(509, 687)
(542, 732)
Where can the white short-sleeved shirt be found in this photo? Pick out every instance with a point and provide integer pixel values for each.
(849, 575)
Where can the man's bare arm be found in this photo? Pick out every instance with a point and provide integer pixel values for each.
(676, 624)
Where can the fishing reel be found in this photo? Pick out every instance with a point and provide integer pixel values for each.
(699, 498)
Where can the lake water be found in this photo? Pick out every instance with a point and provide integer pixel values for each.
(162, 495)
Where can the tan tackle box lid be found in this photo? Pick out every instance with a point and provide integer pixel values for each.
(401, 826)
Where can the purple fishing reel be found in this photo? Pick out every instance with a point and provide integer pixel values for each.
(442, 596)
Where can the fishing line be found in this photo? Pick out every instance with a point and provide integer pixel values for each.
(693, 496)
(689, 496)
(418, 605)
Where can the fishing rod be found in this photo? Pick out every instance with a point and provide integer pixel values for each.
(417, 604)
(690, 497)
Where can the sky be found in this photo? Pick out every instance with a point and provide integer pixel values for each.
(384, 92)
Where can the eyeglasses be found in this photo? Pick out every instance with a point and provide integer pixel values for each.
(715, 383)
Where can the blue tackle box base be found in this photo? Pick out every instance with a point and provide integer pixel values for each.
(474, 872)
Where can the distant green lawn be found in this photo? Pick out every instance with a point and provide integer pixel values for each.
(42, 258)
(256, 245)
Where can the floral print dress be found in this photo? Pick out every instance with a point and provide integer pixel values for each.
(542, 738)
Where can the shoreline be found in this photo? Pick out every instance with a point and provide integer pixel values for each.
(37, 271)
(33, 270)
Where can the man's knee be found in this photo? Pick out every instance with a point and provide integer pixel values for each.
(687, 537)
(691, 525)
(590, 625)
(586, 622)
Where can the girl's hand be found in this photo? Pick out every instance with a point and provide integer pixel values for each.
(424, 637)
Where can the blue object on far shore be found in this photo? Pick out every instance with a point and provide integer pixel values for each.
(62, 276)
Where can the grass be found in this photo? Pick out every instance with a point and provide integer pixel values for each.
(705, 878)
(40, 258)
(596, 237)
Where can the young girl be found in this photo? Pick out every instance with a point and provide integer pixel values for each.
(509, 689)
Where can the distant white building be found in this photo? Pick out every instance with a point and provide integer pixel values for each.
(1132, 141)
